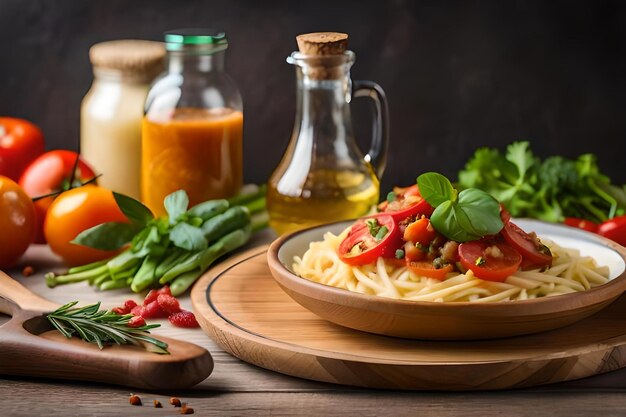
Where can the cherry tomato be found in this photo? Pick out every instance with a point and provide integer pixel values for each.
(534, 253)
(51, 173)
(614, 229)
(408, 202)
(489, 260)
(17, 222)
(412, 252)
(20, 142)
(74, 211)
(361, 248)
(582, 224)
(420, 231)
(427, 269)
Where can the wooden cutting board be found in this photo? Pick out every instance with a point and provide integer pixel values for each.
(239, 305)
(29, 348)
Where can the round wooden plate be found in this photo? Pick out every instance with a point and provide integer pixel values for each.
(242, 308)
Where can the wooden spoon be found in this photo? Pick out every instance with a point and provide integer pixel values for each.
(29, 347)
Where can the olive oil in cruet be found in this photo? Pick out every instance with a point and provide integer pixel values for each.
(323, 176)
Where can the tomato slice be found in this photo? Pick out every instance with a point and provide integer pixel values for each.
(407, 203)
(427, 269)
(534, 253)
(489, 260)
(581, 224)
(614, 229)
(360, 247)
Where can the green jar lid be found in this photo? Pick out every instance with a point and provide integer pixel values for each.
(175, 40)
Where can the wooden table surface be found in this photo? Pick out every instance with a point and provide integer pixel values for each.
(236, 388)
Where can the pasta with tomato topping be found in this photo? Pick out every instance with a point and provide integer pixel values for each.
(569, 272)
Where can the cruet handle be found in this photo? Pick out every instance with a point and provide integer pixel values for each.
(377, 155)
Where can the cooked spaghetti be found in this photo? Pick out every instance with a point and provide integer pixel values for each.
(570, 272)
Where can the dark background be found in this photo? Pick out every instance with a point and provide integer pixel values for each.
(458, 75)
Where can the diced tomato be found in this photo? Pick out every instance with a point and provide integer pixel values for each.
(360, 247)
(412, 252)
(420, 231)
(489, 260)
(582, 224)
(427, 269)
(614, 229)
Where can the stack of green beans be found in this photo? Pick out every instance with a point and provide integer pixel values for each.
(173, 250)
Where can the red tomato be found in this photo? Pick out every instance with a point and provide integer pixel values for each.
(420, 231)
(427, 269)
(74, 211)
(17, 222)
(478, 256)
(20, 142)
(407, 203)
(581, 224)
(412, 252)
(361, 248)
(614, 229)
(534, 253)
(51, 173)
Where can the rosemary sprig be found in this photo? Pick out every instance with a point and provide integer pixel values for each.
(103, 327)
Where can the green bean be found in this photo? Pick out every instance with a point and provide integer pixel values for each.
(232, 219)
(52, 280)
(205, 258)
(87, 267)
(208, 209)
(184, 281)
(113, 285)
(145, 276)
(174, 258)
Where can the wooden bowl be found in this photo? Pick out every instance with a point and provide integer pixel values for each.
(458, 320)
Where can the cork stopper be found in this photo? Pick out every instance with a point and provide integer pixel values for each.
(322, 43)
(325, 54)
(136, 58)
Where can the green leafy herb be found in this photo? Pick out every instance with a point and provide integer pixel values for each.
(399, 253)
(176, 205)
(391, 196)
(103, 327)
(549, 190)
(480, 261)
(106, 236)
(134, 210)
(188, 237)
(373, 226)
(381, 233)
(470, 215)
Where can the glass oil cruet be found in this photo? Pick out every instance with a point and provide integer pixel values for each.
(323, 176)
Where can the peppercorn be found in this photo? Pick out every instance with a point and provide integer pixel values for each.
(157, 404)
(175, 402)
(186, 410)
(134, 399)
(28, 271)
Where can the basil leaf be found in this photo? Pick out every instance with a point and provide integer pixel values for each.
(435, 188)
(188, 237)
(136, 212)
(449, 220)
(176, 205)
(106, 236)
(483, 210)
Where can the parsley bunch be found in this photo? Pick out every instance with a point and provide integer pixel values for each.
(548, 190)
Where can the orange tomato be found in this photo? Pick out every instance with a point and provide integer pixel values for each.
(17, 222)
(74, 211)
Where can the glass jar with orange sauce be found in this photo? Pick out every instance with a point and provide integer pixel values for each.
(193, 124)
